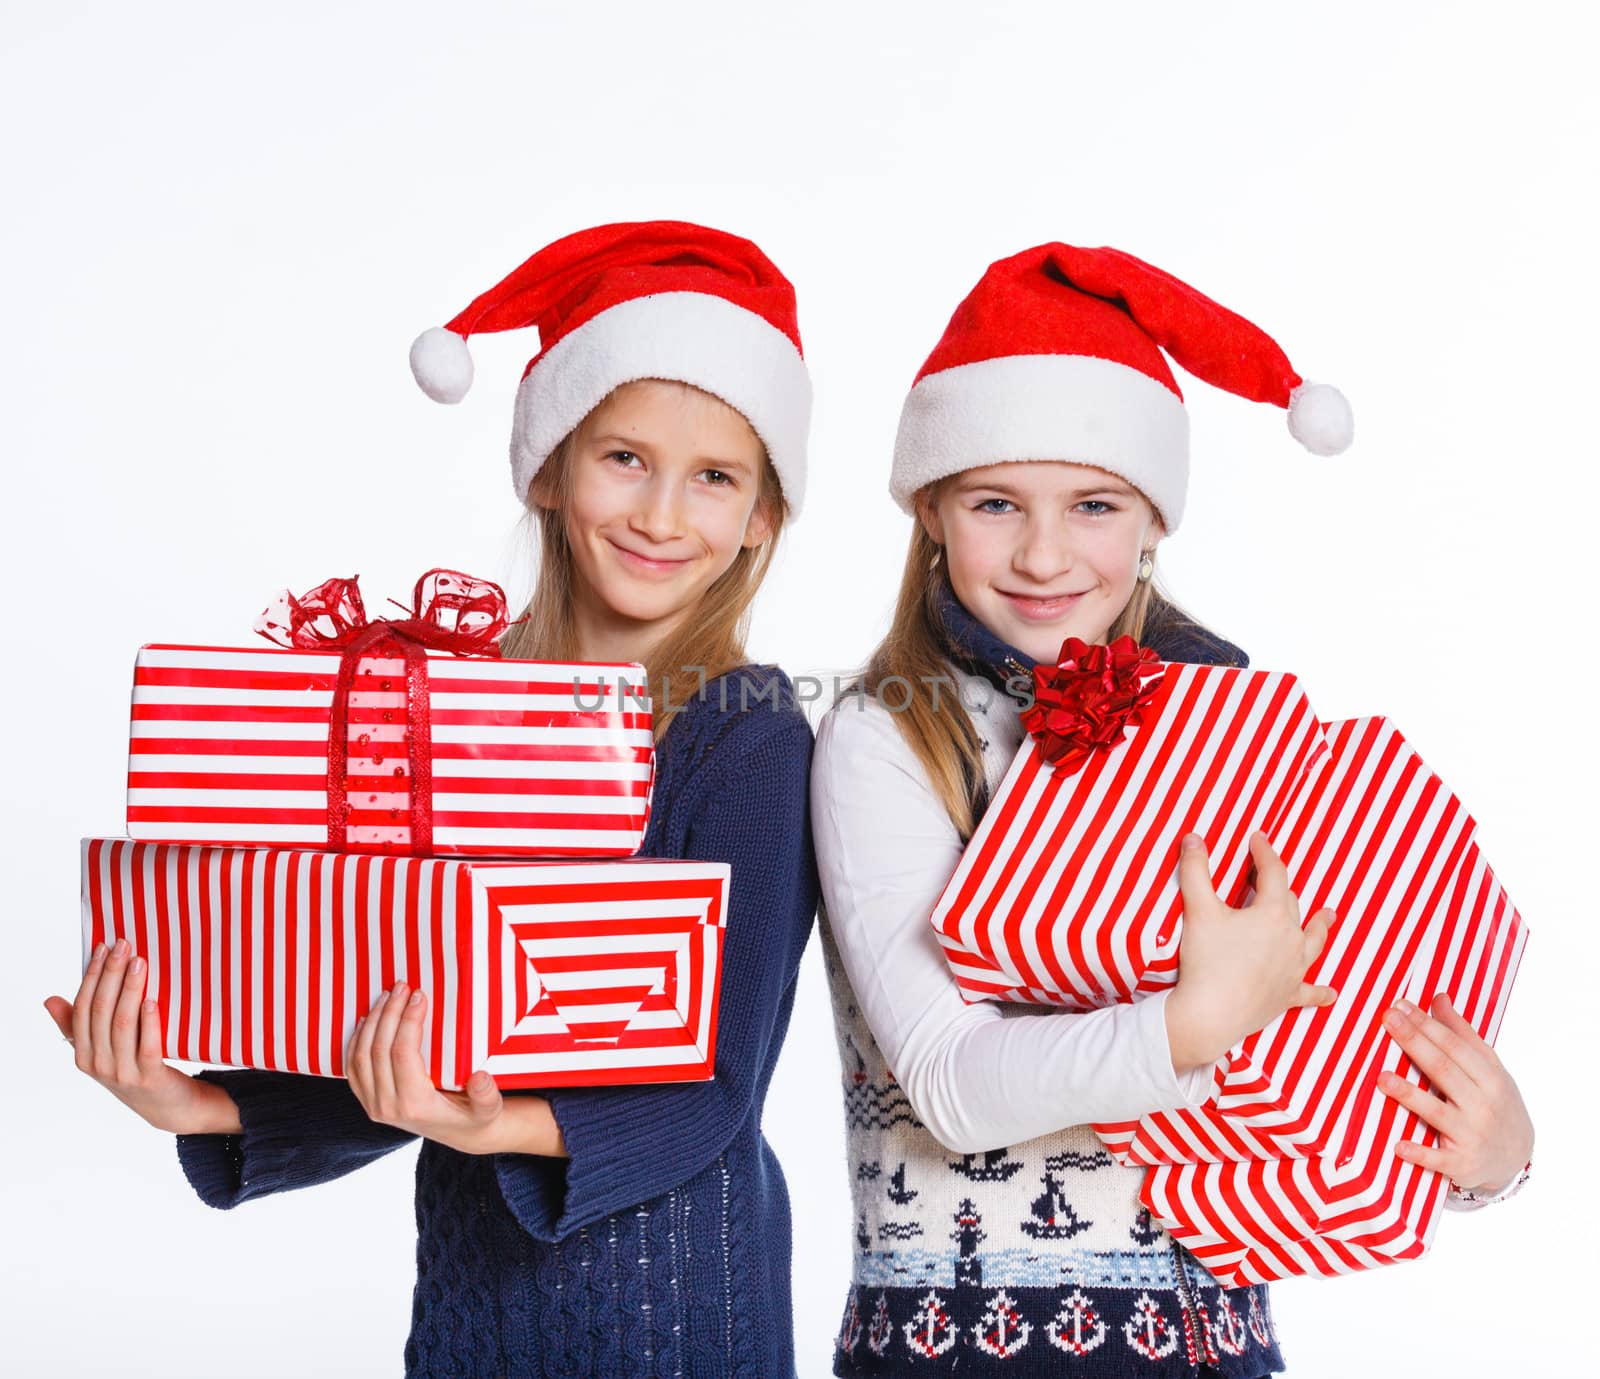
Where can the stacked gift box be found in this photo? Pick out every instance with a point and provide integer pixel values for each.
(385, 800)
(1067, 895)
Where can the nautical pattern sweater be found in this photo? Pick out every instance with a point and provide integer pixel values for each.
(662, 1246)
(1026, 1256)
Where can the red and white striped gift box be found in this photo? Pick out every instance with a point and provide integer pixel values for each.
(1356, 1206)
(545, 974)
(1379, 839)
(526, 758)
(1068, 892)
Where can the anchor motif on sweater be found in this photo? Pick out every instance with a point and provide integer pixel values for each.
(1001, 1331)
(850, 1333)
(1077, 1328)
(1229, 1327)
(1148, 1332)
(1256, 1319)
(882, 1328)
(930, 1332)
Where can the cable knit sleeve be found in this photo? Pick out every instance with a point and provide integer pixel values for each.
(628, 1145)
(297, 1131)
(978, 1076)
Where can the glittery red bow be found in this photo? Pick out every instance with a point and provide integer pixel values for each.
(449, 612)
(1084, 703)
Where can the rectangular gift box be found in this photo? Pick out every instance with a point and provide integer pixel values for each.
(1379, 839)
(450, 755)
(546, 974)
(1068, 892)
(1356, 1206)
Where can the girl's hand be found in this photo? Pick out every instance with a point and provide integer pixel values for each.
(386, 1071)
(116, 1039)
(1238, 970)
(1485, 1134)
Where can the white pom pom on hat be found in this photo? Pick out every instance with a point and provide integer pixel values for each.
(442, 364)
(1321, 419)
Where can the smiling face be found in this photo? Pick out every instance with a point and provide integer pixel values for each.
(1042, 550)
(658, 494)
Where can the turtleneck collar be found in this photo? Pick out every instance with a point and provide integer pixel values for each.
(977, 650)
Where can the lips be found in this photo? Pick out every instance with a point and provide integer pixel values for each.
(1036, 609)
(644, 564)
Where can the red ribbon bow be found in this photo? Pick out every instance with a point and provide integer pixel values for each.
(1086, 702)
(449, 611)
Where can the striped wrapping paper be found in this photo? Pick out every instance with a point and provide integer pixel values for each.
(528, 758)
(1377, 837)
(546, 974)
(1068, 893)
(1356, 1206)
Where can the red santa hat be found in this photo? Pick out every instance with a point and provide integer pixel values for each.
(617, 303)
(1056, 355)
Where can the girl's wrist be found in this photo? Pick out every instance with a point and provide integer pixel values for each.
(1191, 1043)
(529, 1126)
(214, 1112)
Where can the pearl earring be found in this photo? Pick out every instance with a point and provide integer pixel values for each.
(1147, 567)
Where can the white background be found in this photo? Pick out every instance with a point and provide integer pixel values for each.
(225, 224)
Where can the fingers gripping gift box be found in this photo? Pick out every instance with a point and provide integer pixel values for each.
(1067, 895)
(1356, 1206)
(544, 973)
(407, 736)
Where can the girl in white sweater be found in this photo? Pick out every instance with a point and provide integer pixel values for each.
(1043, 453)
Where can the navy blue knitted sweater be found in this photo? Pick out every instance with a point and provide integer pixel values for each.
(662, 1246)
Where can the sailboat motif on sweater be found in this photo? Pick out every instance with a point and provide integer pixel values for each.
(1052, 1216)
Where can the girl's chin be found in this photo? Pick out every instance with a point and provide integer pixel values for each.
(1043, 642)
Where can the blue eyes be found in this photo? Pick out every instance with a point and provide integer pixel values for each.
(1090, 507)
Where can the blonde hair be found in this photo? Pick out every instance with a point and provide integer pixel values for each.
(708, 643)
(913, 654)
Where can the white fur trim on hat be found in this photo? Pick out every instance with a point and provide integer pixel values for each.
(689, 337)
(1070, 407)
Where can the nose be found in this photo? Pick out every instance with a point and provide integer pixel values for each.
(1045, 551)
(659, 516)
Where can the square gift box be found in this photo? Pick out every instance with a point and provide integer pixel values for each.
(546, 974)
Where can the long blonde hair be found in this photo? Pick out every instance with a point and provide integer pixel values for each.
(707, 644)
(914, 655)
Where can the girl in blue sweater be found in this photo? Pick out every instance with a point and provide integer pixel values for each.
(659, 439)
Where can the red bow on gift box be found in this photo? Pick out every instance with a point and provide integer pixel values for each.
(450, 612)
(1085, 702)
